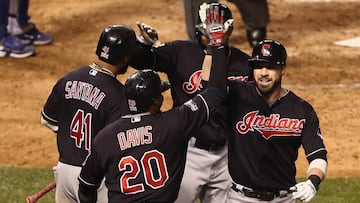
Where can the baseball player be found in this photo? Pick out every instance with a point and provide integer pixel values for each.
(142, 155)
(82, 103)
(206, 175)
(268, 124)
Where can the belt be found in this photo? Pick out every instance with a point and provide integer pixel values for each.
(261, 195)
(208, 147)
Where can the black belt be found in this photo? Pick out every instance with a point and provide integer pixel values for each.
(208, 147)
(261, 195)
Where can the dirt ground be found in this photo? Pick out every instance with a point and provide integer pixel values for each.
(324, 74)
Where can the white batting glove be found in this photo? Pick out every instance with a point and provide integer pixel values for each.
(148, 34)
(303, 191)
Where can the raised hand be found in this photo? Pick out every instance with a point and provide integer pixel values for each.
(148, 34)
(213, 25)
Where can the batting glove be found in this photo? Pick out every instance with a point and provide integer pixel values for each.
(148, 34)
(213, 26)
(303, 191)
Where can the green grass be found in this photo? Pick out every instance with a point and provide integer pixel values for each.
(17, 183)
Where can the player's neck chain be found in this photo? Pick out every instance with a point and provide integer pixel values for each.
(101, 69)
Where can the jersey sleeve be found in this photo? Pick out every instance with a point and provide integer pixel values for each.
(50, 110)
(143, 57)
(195, 112)
(312, 139)
(91, 173)
(166, 56)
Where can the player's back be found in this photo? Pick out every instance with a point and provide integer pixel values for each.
(82, 103)
(143, 156)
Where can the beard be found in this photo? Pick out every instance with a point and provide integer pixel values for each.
(267, 91)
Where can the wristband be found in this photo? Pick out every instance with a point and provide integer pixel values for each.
(315, 180)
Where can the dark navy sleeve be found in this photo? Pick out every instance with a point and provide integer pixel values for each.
(312, 139)
(92, 173)
(195, 112)
(166, 56)
(50, 109)
(215, 93)
(143, 57)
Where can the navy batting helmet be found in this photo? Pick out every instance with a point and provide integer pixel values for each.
(115, 43)
(141, 88)
(269, 52)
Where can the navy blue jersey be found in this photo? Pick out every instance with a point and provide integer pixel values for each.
(264, 140)
(81, 104)
(143, 156)
(182, 62)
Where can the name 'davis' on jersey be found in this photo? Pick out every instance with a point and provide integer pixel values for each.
(85, 92)
(135, 137)
(270, 126)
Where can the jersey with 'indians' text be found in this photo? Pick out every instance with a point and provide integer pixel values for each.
(264, 139)
(82, 103)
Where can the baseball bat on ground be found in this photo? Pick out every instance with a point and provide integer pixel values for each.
(33, 198)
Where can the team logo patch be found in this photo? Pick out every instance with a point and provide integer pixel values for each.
(105, 52)
(270, 126)
(132, 105)
(265, 50)
(93, 72)
(193, 84)
(192, 105)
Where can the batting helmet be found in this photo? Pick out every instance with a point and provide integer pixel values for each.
(228, 19)
(141, 88)
(268, 52)
(114, 43)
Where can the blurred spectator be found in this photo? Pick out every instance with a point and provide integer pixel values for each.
(10, 45)
(17, 34)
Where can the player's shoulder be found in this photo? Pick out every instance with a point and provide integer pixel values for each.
(298, 101)
(78, 71)
(235, 52)
(73, 74)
